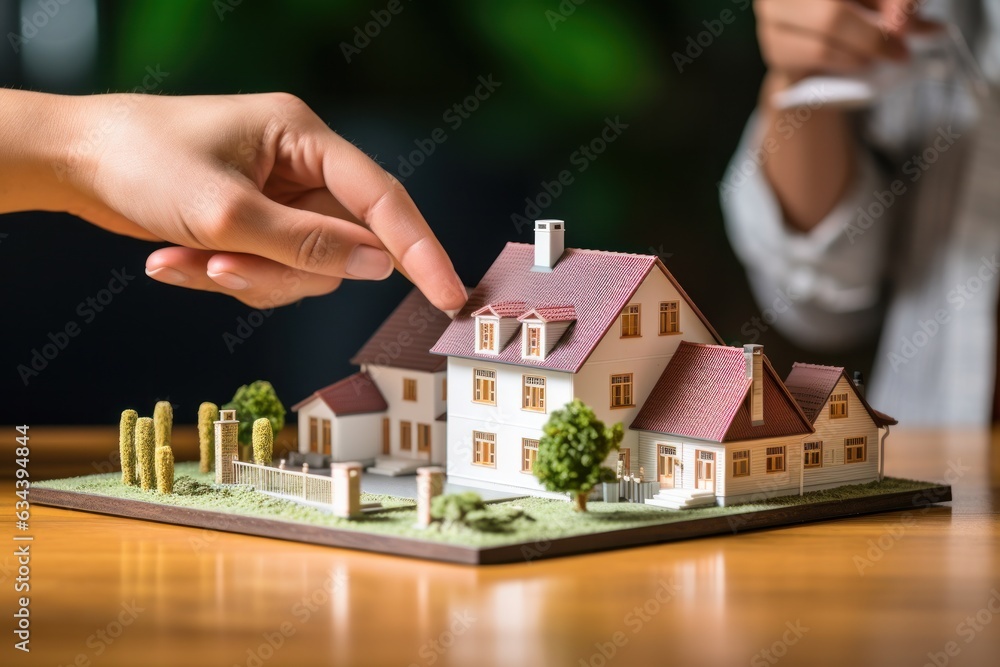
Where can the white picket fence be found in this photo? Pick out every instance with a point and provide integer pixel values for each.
(288, 483)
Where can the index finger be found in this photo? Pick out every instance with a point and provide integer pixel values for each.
(380, 201)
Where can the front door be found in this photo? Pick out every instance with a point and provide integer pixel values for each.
(386, 449)
(704, 477)
(666, 464)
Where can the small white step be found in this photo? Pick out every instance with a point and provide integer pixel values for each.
(395, 467)
(677, 499)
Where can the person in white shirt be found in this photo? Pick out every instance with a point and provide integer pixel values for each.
(881, 220)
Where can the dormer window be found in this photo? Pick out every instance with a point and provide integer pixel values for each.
(495, 324)
(487, 339)
(533, 341)
(541, 329)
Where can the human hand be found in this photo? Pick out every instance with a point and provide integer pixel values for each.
(800, 37)
(261, 200)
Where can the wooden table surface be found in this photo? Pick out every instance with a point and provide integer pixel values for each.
(887, 589)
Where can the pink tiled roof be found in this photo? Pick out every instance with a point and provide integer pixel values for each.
(550, 314)
(812, 384)
(702, 394)
(404, 339)
(355, 394)
(503, 309)
(597, 283)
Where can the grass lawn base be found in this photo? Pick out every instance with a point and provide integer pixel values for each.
(492, 555)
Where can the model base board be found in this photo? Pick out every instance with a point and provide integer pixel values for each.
(557, 530)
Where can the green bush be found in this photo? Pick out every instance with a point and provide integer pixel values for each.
(144, 444)
(208, 414)
(468, 510)
(126, 446)
(164, 470)
(163, 423)
(572, 450)
(263, 442)
(252, 402)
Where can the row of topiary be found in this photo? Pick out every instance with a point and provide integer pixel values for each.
(144, 446)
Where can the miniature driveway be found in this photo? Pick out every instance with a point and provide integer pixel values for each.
(405, 486)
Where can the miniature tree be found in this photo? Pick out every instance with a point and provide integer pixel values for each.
(263, 442)
(164, 470)
(254, 401)
(572, 450)
(126, 446)
(208, 413)
(144, 444)
(163, 422)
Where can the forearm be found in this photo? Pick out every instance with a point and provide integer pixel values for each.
(816, 161)
(36, 133)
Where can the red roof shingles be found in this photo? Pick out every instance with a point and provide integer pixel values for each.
(702, 394)
(598, 284)
(405, 338)
(503, 309)
(550, 314)
(354, 395)
(812, 384)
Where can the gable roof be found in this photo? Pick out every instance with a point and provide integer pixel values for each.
(702, 394)
(812, 384)
(354, 395)
(598, 284)
(405, 337)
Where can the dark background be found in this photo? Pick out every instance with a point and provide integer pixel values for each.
(653, 191)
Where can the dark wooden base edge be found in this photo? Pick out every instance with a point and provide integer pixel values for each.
(510, 553)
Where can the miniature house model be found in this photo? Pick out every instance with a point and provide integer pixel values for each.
(392, 411)
(709, 422)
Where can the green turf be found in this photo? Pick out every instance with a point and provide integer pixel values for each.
(553, 518)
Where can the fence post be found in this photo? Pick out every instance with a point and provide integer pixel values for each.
(345, 490)
(430, 483)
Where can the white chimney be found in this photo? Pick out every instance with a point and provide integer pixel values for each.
(754, 357)
(549, 243)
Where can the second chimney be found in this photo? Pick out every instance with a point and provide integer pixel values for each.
(754, 357)
(549, 243)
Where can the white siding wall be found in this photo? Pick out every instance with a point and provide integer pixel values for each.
(832, 432)
(645, 357)
(759, 484)
(424, 410)
(355, 438)
(506, 419)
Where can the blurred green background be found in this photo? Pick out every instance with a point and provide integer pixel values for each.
(563, 70)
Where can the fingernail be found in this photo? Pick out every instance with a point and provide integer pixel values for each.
(452, 313)
(369, 263)
(229, 280)
(165, 274)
